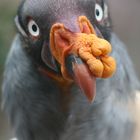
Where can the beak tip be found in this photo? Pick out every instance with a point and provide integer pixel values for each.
(82, 76)
(91, 95)
(91, 99)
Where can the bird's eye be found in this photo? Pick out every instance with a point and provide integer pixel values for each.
(98, 12)
(33, 28)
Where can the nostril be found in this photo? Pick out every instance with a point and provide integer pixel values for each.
(85, 25)
(85, 28)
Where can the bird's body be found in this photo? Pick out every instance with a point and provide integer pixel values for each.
(41, 108)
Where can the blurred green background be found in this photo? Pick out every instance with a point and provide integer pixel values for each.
(126, 23)
(7, 31)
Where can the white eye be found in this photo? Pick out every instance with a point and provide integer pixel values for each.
(33, 28)
(98, 12)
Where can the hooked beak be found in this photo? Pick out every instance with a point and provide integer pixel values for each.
(81, 75)
(72, 66)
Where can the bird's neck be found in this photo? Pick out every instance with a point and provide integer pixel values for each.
(111, 117)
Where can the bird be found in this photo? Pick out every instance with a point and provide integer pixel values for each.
(42, 103)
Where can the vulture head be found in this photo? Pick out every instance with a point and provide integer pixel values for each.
(64, 48)
(53, 33)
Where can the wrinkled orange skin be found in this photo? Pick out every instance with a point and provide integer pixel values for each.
(86, 45)
(94, 52)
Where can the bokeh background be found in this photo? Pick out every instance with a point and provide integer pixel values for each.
(126, 23)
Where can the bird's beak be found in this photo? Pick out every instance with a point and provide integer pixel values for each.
(81, 54)
(80, 73)
(72, 66)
